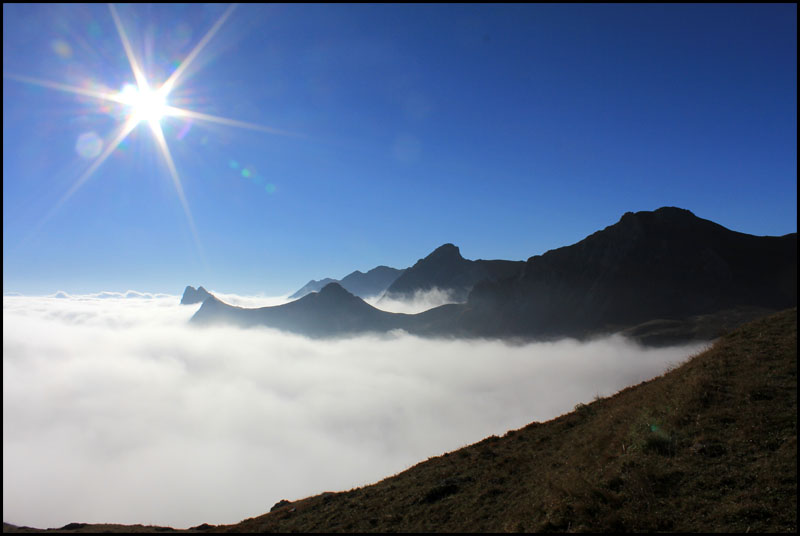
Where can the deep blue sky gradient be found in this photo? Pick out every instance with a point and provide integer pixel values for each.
(507, 130)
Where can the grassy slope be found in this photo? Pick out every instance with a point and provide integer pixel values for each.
(709, 446)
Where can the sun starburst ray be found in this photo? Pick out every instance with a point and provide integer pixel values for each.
(102, 95)
(138, 74)
(181, 112)
(175, 76)
(158, 134)
(145, 103)
(123, 132)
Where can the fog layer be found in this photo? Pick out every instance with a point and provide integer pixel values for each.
(117, 410)
(422, 300)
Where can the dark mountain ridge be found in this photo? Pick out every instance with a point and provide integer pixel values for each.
(330, 312)
(371, 283)
(648, 268)
(666, 264)
(312, 286)
(446, 269)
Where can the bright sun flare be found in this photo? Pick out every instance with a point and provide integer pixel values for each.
(145, 104)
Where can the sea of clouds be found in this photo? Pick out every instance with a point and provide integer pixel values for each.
(115, 409)
(421, 300)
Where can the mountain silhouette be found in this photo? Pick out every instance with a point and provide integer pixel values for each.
(192, 295)
(364, 285)
(332, 311)
(665, 276)
(312, 286)
(372, 283)
(665, 264)
(446, 269)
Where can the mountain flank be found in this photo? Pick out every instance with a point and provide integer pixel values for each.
(710, 446)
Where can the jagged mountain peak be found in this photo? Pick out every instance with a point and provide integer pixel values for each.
(663, 212)
(334, 289)
(192, 295)
(332, 294)
(662, 216)
(445, 251)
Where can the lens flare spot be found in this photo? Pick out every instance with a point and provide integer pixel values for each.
(184, 131)
(270, 188)
(233, 164)
(89, 145)
(62, 48)
(246, 173)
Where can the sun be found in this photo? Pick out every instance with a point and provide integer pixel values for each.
(145, 104)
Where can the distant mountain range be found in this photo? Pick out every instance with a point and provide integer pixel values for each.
(330, 312)
(445, 269)
(364, 285)
(662, 276)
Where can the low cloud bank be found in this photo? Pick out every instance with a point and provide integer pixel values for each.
(422, 300)
(251, 302)
(130, 294)
(117, 410)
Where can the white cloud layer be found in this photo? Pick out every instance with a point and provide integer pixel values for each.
(421, 301)
(116, 410)
(251, 302)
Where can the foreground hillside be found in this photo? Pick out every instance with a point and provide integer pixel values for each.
(710, 446)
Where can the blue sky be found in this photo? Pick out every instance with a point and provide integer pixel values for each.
(507, 130)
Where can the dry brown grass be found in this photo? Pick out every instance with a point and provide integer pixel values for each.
(710, 446)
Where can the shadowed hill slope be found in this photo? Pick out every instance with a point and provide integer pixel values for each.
(710, 446)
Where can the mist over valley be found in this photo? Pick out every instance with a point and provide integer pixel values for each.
(131, 414)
